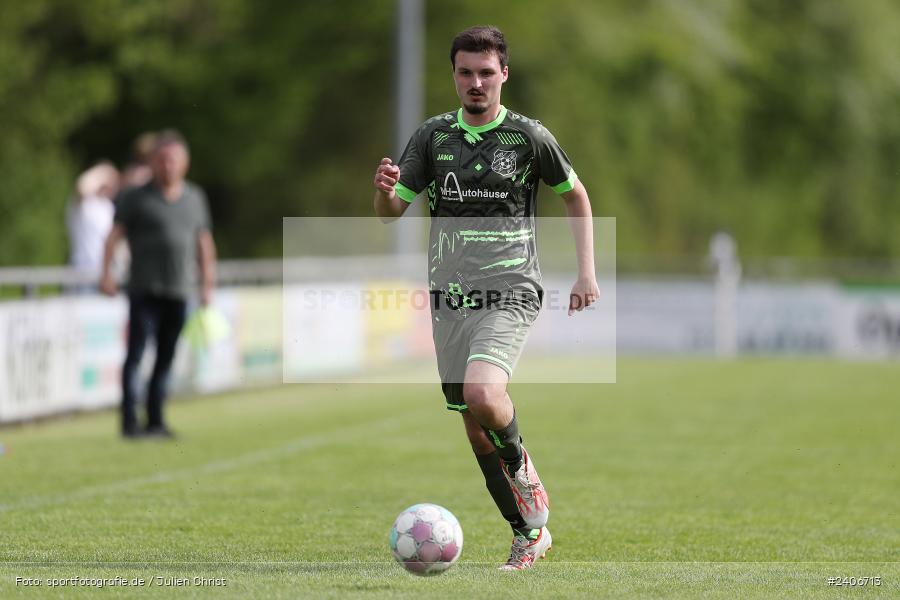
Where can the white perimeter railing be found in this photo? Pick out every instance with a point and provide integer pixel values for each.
(27, 282)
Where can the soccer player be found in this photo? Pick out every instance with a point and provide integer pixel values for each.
(480, 167)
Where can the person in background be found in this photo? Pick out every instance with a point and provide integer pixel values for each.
(138, 172)
(167, 226)
(89, 217)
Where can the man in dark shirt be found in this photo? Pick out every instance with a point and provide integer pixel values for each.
(167, 225)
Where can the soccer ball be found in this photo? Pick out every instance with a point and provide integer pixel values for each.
(426, 539)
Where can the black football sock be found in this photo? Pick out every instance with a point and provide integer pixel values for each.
(499, 489)
(509, 444)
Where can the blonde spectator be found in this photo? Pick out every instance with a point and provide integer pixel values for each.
(89, 216)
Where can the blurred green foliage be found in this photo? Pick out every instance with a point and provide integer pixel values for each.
(778, 120)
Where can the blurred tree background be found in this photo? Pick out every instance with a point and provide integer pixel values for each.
(778, 120)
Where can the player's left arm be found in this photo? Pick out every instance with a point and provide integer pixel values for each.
(206, 247)
(585, 291)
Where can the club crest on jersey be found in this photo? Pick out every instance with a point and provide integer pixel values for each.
(504, 162)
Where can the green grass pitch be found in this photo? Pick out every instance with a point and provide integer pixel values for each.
(748, 479)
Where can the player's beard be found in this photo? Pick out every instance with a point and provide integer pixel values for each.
(475, 109)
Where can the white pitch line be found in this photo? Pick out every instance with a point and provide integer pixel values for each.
(295, 446)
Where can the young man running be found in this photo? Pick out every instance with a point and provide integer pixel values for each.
(480, 167)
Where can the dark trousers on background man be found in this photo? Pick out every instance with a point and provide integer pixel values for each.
(161, 318)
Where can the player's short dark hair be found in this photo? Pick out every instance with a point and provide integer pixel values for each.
(483, 38)
(167, 137)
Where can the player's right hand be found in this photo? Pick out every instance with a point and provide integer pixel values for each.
(386, 176)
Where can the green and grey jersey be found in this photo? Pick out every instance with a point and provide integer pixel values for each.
(481, 184)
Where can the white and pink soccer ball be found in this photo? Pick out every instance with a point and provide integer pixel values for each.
(426, 539)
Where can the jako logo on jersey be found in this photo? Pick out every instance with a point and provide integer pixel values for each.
(451, 193)
(499, 353)
(504, 162)
(445, 157)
